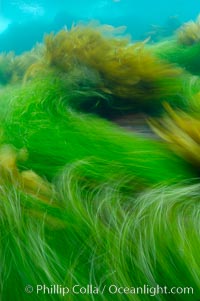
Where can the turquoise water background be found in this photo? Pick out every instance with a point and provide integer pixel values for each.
(24, 22)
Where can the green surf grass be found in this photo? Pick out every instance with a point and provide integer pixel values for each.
(123, 211)
(100, 238)
(37, 119)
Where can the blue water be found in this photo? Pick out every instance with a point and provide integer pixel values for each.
(24, 22)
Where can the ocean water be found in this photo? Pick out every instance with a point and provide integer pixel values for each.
(24, 22)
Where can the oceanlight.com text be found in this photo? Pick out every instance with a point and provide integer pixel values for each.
(112, 289)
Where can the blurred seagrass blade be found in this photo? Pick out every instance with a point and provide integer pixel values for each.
(181, 131)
